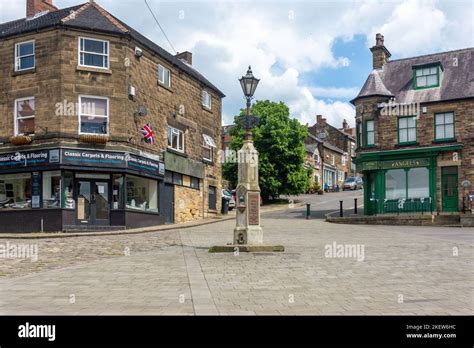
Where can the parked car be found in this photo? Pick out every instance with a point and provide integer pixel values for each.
(228, 195)
(353, 183)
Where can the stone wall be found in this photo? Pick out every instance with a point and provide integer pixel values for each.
(188, 204)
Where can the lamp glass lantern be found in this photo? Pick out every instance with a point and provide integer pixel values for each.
(249, 83)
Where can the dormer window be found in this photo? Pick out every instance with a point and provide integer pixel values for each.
(426, 76)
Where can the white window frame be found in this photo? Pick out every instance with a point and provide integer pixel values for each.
(162, 82)
(204, 99)
(97, 54)
(333, 160)
(99, 116)
(18, 57)
(344, 159)
(15, 114)
(209, 144)
(180, 135)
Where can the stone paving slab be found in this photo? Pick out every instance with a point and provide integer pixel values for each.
(405, 270)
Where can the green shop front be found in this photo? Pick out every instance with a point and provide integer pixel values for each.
(56, 189)
(405, 181)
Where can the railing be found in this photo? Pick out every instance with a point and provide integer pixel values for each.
(403, 206)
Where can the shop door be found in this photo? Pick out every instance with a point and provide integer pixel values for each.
(92, 202)
(449, 189)
(168, 205)
(369, 194)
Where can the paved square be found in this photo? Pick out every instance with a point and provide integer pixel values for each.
(405, 270)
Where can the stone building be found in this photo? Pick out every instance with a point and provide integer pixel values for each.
(415, 132)
(338, 139)
(100, 127)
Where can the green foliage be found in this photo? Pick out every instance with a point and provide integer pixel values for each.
(280, 143)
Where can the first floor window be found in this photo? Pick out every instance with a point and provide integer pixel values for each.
(15, 191)
(444, 126)
(208, 146)
(93, 53)
(142, 194)
(406, 130)
(164, 76)
(206, 99)
(212, 198)
(369, 133)
(93, 115)
(176, 139)
(25, 116)
(52, 190)
(24, 55)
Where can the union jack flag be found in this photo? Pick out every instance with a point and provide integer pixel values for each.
(147, 132)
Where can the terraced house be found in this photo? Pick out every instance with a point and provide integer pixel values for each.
(100, 127)
(415, 132)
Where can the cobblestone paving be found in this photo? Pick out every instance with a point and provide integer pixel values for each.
(406, 270)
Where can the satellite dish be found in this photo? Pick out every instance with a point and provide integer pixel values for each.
(142, 111)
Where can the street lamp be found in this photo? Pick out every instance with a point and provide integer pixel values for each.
(249, 84)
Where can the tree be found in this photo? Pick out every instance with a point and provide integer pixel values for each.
(280, 143)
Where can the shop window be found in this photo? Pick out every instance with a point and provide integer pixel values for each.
(175, 139)
(418, 183)
(51, 190)
(142, 194)
(25, 116)
(395, 184)
(16, 190)
(195, 183)
(407, 130)
(67, 189)
(444, 126)
(177, 179)
(118, 193)
(212, 198)
(24, 56)
(93, 53)
(93, 115)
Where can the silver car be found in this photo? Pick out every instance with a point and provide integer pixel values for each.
(353, 183)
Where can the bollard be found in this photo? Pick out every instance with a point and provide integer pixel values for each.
(341, 211)
(355, 205)
(308, 211)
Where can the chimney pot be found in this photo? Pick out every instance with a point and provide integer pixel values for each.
(380, 54)
(345, 125)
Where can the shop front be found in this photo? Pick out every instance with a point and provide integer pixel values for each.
(407, 182)
(79, 189)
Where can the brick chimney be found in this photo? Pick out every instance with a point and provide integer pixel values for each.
(345, 125)
(185, 56)
(380, 54)
(36, 6)
(320, 120)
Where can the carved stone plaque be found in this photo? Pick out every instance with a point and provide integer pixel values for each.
(254, 208)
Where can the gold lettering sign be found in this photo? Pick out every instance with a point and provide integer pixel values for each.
(254, 208)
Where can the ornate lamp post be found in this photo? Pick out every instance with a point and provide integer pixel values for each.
(248, 235)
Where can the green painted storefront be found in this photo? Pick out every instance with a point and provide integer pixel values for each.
(401, 180)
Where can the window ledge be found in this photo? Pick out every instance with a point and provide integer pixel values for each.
(208, 162)
(95, 70)
(205, 108)
(438, 141)
(169, 89)
(175, 152)
(407, 144)
(24, 72)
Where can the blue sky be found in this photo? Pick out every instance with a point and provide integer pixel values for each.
(312, 55)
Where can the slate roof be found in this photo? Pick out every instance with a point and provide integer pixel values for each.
(93, 17)
(396, 77)
(326, 144)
